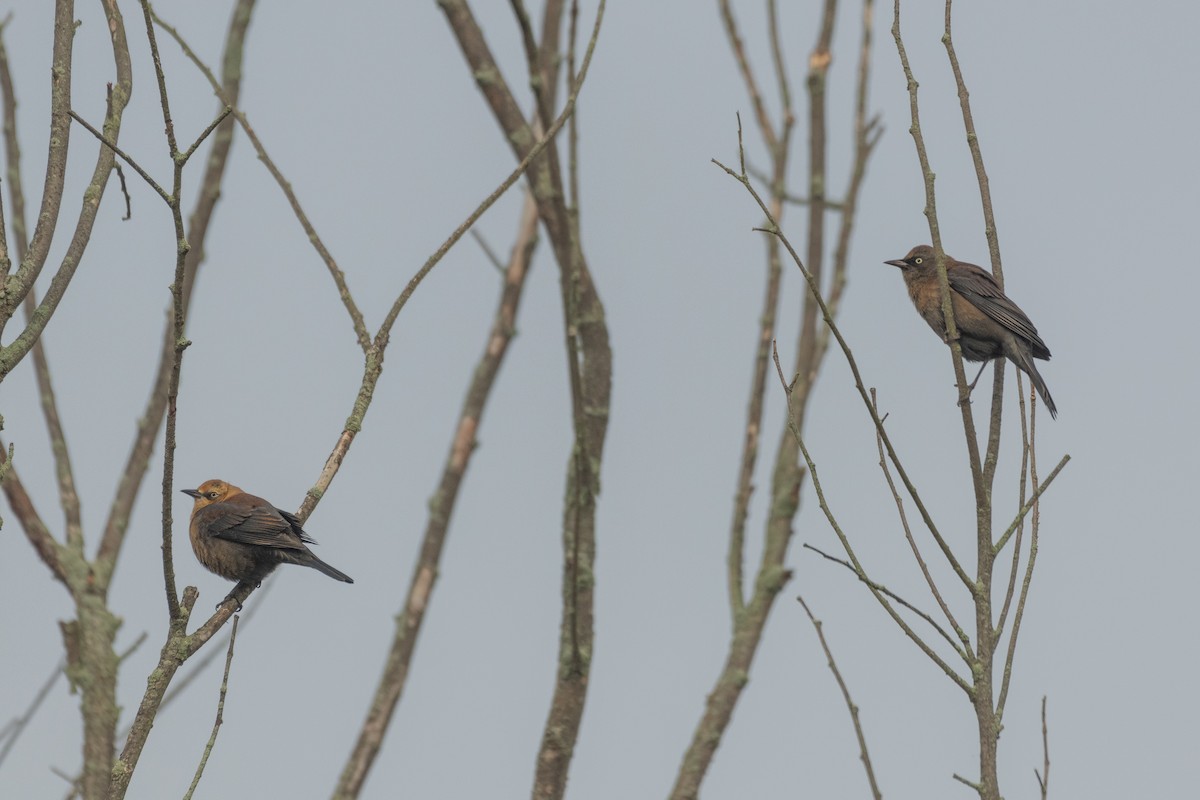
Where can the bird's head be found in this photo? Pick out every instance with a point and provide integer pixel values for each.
(213, 491)
(920, 256)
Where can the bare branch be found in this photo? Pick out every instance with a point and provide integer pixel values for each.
(1043, 778)
(864, 756)
(197, 234)
(212, 739)
(229, 99)
(963, 638)
(19, 284)
(965, 654)
(441, 507)
(128, 159)
(774, 230)
(13, 730)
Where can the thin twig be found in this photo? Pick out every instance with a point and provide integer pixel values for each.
(375, 352)
(14, 729)
(441, 507)
(883, 600)
(858, 731)
(1043, 777)
(124, 192)
(492, 258)
(68, 496)
(779, 148)
(178, 646)
(212, 738)
(1030, 503)
(1034, 530)
(952, 336)
(151, 418)
(964, 654)
(765, 127)
(866, 135)
(1022, 491)
(133, 648)
(339, 279)
(788, 197)
(774, 230)
(128, 159)
(991, 457)
(212, 126)
(20, 283)
(965, 782)
(964, 639)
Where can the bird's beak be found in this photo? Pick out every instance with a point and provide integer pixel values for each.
(192, 492)
(899, 262)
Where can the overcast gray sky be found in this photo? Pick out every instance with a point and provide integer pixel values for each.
(1087, 114)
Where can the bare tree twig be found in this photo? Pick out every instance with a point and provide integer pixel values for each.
(867, 131)
(1031, 503)
(749, 615)
(864, 756)
(441, 506)
(965, 654)
(178, 646)
(48, 549)
(128, 159)
(774, 230)
(68, 497)
(13, 730)
(492, 258)
(589, 370)
(859, 570)
(1022, 491)
(212, 739)
(19, 284)
(963, 638)
(1034, 531)
(991, 457)
(1043, 778)
(779, 148)
(197, 233)
(230, 100)
(374, 365)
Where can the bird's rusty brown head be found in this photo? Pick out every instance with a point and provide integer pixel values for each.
(210, 492)
(919, 256)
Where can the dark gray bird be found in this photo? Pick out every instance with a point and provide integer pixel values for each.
(989, 324)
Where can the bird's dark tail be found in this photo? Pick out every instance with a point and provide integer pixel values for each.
(307, 559)
(1022, 358)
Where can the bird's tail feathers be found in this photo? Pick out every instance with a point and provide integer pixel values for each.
(1024, 361)
(306, 558)
(338, 575)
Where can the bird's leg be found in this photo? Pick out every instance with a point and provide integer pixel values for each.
(978, 375)
(971, 385)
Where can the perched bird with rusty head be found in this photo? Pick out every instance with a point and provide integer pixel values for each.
(989, 324)
(242, 537)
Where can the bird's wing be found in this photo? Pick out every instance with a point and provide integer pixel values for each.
(252, 523)
(979, 288)
(297, 528)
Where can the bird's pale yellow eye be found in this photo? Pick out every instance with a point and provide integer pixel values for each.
(213, 495)
(918, 260)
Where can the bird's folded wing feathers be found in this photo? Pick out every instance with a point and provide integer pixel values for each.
(297, 527)
(978, 287)
(254, 525)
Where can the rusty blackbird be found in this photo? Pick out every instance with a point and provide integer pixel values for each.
(989, 324)
(242, 537)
